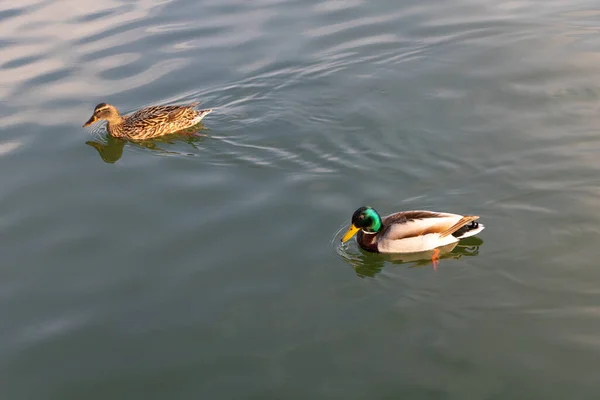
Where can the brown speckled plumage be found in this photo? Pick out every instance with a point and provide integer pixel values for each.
(149, 122)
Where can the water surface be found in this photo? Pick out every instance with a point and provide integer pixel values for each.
(209, 267)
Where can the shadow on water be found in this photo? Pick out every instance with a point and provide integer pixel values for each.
(367, 264)
(110, 149)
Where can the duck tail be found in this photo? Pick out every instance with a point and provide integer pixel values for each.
(203, 113)
(469, 230)
(464, 221)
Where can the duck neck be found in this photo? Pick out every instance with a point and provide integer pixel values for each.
(368, 241)
(115, 125)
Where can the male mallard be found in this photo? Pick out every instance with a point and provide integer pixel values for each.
(149, 122)
(409, 231)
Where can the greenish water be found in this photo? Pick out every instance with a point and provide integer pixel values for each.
(210, 267)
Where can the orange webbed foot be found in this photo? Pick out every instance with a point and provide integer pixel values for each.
(435, 258)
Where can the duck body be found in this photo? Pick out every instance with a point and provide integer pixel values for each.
(149, 122)
(409, 231)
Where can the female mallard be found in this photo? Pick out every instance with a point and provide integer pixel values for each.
(149, 122)
(409, 231)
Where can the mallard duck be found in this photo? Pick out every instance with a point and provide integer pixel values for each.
(149, 122)
(409, 231)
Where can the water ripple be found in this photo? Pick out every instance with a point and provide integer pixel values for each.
(225, 238)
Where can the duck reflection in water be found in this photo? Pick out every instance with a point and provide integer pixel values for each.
(367, 264)
(110, 148)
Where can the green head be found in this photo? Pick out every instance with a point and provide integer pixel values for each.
(364, 218)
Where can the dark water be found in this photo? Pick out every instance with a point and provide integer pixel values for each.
(209, 267)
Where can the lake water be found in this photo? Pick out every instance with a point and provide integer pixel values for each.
(210, 267)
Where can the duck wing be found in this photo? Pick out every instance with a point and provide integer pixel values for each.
(409, 224)
(162, 114)
(159, 120)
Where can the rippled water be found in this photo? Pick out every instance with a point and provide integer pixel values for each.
(210, 266)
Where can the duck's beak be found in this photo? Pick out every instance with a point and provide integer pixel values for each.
(90, 121)
(351, 232)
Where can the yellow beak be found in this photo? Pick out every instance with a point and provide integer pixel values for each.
(351, 232)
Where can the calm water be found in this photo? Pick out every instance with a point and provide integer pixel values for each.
(210, 267)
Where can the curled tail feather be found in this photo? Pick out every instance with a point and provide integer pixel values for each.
(461, 222)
